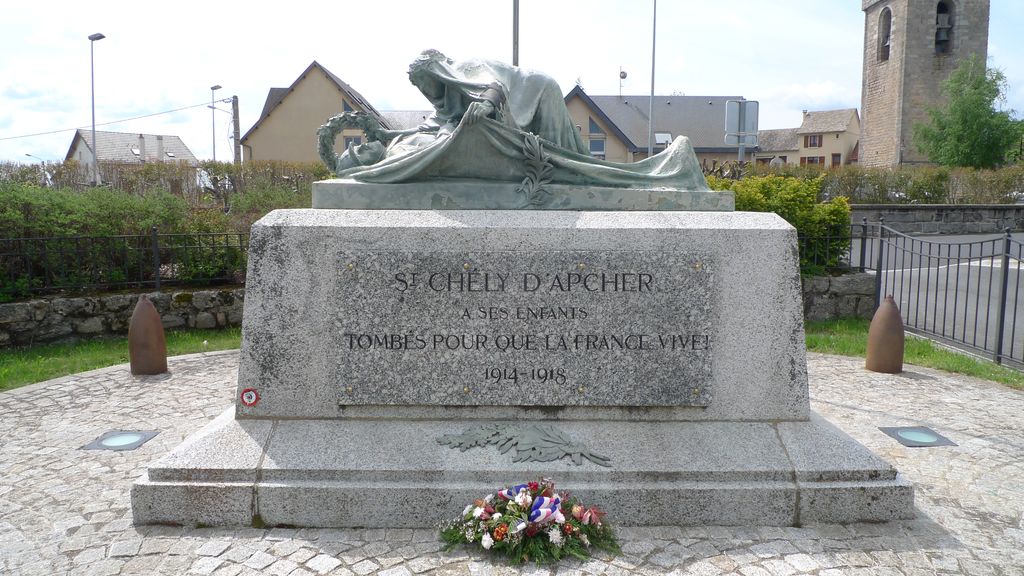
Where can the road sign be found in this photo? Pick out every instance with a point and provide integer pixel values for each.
(741, 124)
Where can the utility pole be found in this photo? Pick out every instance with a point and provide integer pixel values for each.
(235, 135)
(213, 118)
(650, 109)
(515, 32)
(92, 90)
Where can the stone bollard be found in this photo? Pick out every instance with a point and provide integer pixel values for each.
(885, 339)
(147, 348)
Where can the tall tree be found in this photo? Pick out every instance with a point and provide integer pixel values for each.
(970, 130)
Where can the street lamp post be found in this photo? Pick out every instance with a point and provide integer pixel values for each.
(213, 115)
(41, 161)
(92, 81)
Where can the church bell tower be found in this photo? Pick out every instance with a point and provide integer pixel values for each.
(910, 48)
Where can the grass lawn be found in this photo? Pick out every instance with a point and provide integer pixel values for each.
(845, 337)
(849, 337)
(20, 366)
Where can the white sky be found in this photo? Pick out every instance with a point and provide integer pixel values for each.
(789, 54)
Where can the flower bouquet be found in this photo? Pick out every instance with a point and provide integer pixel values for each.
(532, 522)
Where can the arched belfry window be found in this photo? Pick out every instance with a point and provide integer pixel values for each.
(884, 34)
(944, 27)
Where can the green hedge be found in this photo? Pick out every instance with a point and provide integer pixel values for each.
(909, 184)
(824, 226)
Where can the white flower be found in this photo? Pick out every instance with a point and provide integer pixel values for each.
(487, 541)
(524, 499)
(555, 535)
(469, 534)
(496, 515)
(584, 539)
(559, 517)
(468, 508)
(489, 498)
(477, 512)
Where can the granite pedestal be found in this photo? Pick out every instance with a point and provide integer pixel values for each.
(667, 345)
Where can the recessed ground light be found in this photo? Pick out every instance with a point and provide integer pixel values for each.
(917, 436)
(120, 440)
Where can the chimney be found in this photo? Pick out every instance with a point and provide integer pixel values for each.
(142, 148)
(159, 148)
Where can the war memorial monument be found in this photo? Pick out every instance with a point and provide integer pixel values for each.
(478, 302)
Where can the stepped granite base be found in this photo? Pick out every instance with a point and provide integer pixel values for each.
(380, 473)
(662, 351)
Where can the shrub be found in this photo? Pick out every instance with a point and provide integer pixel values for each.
(822, 226)
(909, 184)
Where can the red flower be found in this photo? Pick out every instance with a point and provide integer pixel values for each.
(500, 532)
(567, 528)
(533, 486)
(531, 529)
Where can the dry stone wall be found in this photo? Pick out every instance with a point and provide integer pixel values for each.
(69, 319)
(832, 297)
(943, 218)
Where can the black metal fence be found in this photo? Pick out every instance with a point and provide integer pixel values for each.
(842, 252)
(32, 266)
(966, 294)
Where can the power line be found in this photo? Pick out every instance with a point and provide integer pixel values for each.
(110, 122)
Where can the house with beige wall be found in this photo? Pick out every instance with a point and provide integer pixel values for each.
(616, 127)
(286, 129)
(826, 138)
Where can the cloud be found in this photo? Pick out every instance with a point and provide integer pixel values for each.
(22, 93)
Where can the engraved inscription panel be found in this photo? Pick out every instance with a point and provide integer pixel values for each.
(555, 328)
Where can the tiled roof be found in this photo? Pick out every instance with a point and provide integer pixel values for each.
(700, 118)
(404, 119)
(274, 98)
(778, 140)
(356, 96)
(277, 95)
(122, 147)
(827, 121)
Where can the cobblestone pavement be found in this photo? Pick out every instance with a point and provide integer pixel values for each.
(64, 510)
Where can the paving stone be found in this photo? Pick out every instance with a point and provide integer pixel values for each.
(108, 567)
(323, 564)
(89, 555)
(229, 570)
(205, 565)
(282, 567)
(213, 548)
(158, 546)
(124, 548)
(302, 555)
(260, 560)
(420, 565)
(63, 510)
(802, 562)
(365, 567)
(396, 571)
